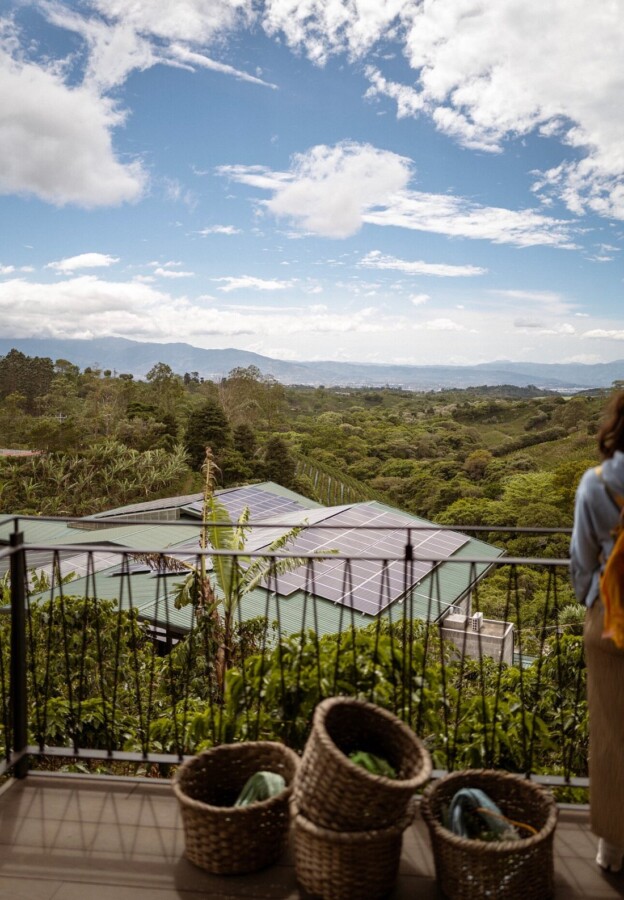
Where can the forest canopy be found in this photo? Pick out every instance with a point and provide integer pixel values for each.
(481, 456)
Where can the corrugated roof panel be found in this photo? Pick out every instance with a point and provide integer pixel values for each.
(444, 587)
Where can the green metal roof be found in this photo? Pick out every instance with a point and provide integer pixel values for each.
(445, 586)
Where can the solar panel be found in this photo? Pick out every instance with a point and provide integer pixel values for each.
(262, 504)
(368, 586)
(83, 564)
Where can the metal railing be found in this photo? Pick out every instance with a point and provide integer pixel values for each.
(112, 672)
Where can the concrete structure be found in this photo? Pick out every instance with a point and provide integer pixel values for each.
(476, 637)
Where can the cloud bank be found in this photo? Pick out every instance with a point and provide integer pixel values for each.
(334, 191)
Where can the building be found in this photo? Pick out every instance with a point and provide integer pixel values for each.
(377, 562)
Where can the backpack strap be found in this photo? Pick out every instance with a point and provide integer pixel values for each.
(617, 499)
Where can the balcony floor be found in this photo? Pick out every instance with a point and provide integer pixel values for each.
(67, 839)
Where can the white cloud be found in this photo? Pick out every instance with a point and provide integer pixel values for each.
(333, 191)
(329, 189)
(441, 325)
(376, 260)
(219, 229)
(488, 72)
(535, 326)
(86, 307)
(458, 217)
(125, 37)
(172, 273)
(191, 58)
(55, 141)
(420, 299)
(408, 100)
(177, 193)
(193, 21)
(115, 50)
(324, 27)
(83, 261)
(249, 282)
(549, 302)
(491, 71)
(612, 334)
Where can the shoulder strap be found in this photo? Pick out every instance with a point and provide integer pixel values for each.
(617, 499)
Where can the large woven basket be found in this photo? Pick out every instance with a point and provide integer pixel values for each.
(503, 870)
(333, 792)
(228, 840)
(347, 865)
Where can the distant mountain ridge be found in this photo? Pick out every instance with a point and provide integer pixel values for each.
(122, 355)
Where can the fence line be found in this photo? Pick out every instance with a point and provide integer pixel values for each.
(127, 672)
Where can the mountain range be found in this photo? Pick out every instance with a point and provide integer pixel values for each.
(137, 358)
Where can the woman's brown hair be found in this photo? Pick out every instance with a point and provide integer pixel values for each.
(611, 433)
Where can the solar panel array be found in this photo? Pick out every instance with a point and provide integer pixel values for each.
(262, 504)
(83, 564)
(366, 585)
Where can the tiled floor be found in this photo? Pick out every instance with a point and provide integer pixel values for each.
(62, 839)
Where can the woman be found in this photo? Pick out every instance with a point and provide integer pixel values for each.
(599, 496)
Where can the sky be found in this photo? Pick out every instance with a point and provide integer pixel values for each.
(388, 181)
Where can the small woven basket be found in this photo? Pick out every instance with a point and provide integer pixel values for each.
(347, 865)
(504, 870)
(219, 837)
(333, 792)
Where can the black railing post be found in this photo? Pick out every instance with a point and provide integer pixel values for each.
(18, 702)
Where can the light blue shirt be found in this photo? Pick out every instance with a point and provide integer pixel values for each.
(595, 517)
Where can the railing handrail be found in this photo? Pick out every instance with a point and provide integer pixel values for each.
(123, 520)
(76, 549)
(403, 618)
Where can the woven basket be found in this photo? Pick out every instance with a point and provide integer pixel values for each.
(334, 792)
(504, 870)
(228, 840)
(347, 865)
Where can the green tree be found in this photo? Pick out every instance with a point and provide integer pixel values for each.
(249, 396)
(279, 463)
(166, 388)
(207, 427)
(235, 574)
(244, 440)
(30, 376)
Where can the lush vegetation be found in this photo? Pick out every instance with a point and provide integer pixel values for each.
(487, 456)
(96, 681)
(481, 457)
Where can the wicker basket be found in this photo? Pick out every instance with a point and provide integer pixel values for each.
(347, 865)
(228, 840)
(504, 870)
(333, 792)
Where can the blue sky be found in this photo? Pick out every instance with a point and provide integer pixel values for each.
(364, 180)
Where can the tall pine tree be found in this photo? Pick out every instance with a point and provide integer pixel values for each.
(207, 427)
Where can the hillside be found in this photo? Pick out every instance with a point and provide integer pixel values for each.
(137, 358)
